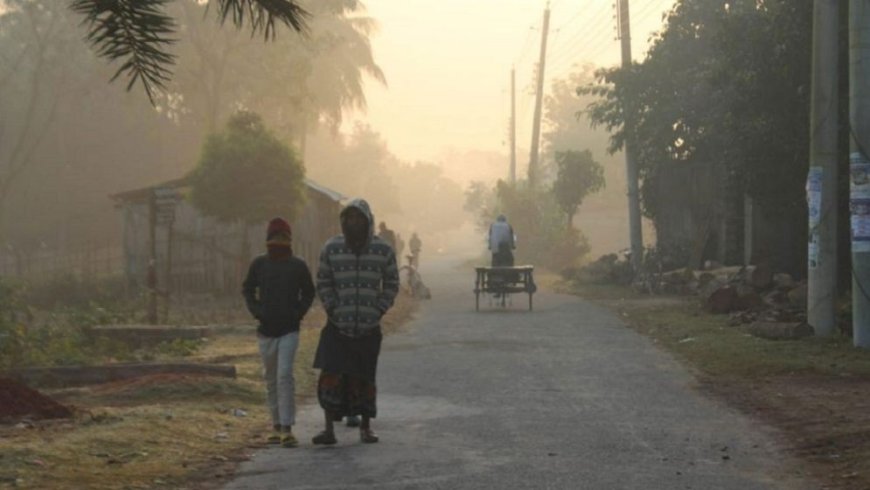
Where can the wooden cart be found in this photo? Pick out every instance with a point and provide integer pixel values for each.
(504, 281)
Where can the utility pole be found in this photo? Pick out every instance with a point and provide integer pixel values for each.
(631, 171)
(534, 153)
(859, 186)
(822, 178)
(513, 126)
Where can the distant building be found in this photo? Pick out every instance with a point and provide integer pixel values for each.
(207, 255)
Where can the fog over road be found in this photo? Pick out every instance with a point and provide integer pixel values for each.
(562, 397)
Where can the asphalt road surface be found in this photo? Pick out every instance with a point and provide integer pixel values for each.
(562, 397)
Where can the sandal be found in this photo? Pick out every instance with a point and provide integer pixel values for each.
(368, 436)
(274, 438)
(289, 440)
(326, 438)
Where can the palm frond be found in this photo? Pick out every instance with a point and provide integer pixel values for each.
(262, 14)
(135, 32)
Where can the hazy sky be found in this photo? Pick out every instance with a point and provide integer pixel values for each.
(448, 64)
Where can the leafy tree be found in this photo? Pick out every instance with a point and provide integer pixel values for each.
(563, 129)
(722, 92)
(138, 33)
(246, 175)
(577, 176)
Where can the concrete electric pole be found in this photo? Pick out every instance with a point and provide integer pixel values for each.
(631, 171)
(859, 181)
(822, 178)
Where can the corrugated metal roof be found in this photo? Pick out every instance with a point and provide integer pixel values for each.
(334, 195)
(142, 192)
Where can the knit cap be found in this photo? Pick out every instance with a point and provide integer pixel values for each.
(278, 232)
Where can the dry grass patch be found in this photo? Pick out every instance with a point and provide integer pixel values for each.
(166, 431)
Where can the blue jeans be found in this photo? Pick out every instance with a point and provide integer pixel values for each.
(277, 354)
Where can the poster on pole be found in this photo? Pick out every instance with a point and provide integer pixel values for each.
(859, 202)
(814, 212)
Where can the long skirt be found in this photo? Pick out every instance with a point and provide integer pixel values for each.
(348, 370)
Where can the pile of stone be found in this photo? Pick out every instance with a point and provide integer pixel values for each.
(773, 303)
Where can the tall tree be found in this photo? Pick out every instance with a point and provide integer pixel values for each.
(300, 83)
(38, 65)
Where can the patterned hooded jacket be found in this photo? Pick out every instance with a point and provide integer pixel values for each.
(357, 289)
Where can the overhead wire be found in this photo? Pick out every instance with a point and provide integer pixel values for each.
(592, 27)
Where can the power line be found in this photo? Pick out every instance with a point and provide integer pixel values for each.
(590, 28)
(595, 38)
(526, 44)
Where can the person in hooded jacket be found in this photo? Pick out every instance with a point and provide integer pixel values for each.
(357, 282)
(278, 292)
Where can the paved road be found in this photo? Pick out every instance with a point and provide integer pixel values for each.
(564, 397)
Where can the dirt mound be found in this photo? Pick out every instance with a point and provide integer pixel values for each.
(17, 401)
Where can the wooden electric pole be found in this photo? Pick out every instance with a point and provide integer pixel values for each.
(534, 153)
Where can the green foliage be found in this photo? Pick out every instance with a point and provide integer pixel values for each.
(178, 347)
(13, 318)
(538, 222)
(245, 174)
(577, 176)
(57, 335)
(724, 84)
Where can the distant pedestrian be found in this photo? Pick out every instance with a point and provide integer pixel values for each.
(416, 246)
(387, 235)
(357, 282)
(400, 246)
(278, 292)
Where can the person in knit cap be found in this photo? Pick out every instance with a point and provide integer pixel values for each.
(357, 282)
(278, 292)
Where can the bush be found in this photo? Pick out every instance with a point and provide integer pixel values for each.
(59, 336)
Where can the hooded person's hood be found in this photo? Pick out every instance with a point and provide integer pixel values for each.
(362, 206)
